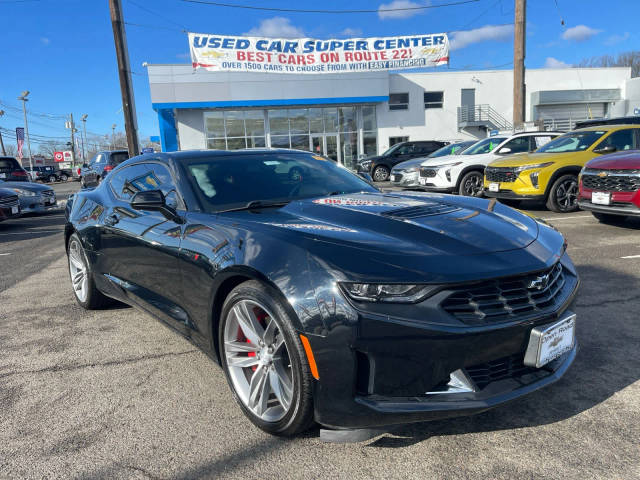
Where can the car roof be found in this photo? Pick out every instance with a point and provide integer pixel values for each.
(607, 128)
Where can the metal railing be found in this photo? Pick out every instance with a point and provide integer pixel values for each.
(482, 114)
(561, 124)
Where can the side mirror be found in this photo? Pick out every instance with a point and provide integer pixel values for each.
(153, 201)
(366, 176)
(605, 149)
(505, 150)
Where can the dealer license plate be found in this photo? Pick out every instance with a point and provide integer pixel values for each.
(549, 342)
(423, 181)
(14, 210)
(3, 175)
(494, 187)
(601, 198)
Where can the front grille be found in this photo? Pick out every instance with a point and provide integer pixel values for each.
(501, 174)
(511, 297)
(507, 367)
(612, 182)
(48, 193)
(428, 172)
(10, 201)
(422, 211)
(396, 177)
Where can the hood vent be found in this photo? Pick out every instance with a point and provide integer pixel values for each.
(422, 211)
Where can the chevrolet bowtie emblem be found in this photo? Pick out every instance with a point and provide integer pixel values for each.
(555, 342)
(602, 174)
(539, 283)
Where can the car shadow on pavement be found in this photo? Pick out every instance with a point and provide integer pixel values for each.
(32, 226)
(608, 360)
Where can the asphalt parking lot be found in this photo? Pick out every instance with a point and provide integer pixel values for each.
(115, 394)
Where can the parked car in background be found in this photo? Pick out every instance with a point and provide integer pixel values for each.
(9, 204)
(380, 166)
(405, 174)
(11, 170)
(463, 174)
(551, 173)
(34, 197)
(101, 165)
(323, 298)
(48, 174)
(610, 186)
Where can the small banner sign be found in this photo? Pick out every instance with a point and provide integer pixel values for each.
(306, 55)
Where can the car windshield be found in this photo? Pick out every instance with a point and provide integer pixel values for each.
(392, 149)
(451, 149)
(484, 146)
(224, 183)
(572, 142)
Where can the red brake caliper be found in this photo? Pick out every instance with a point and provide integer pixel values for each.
(261, 316)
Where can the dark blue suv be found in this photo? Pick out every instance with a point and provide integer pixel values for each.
(101, 165)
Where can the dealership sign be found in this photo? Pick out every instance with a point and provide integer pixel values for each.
(58, 156)
(305, 55)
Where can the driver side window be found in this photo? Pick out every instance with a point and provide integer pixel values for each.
(127, 182)
(517, 145)
(622, 140)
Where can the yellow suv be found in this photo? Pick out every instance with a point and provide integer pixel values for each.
(551, 172)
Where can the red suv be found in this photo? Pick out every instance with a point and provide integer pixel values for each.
(610, 186)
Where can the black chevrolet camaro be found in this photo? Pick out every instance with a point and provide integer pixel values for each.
(323, 298)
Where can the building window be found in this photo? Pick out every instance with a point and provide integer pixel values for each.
(369, 131)
(234, 129)
(394, 140)
(433, 99)
(398, 101)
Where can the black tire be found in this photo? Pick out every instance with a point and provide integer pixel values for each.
(299, 416)
(64, 178)
(95, 299)
(472, 184)
(609, 218)
(52, 179)
(380, 174)
(563, 196)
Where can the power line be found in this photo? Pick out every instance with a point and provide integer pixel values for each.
(297, 10)
(148, 10)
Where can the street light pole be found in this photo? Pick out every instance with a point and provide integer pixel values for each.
(1, 141)
(24, 99)
(84, 137)
(113, 136)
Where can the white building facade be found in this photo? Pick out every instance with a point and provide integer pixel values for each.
(347, 116)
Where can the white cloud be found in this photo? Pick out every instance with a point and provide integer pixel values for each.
(350, 32)
(276, 27)
(555, 63)
(45, 40)
(579, 33)
(395, 4)
(615, 39)
(464, 38)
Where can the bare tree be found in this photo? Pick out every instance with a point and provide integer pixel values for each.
(11, 150)
(49, 147)
(624, 59)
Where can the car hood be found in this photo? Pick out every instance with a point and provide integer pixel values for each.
(414, 162)
(5, 192)
(413, 224)
(520, 159)
(617, 161)
(30, 186)
(468, 159)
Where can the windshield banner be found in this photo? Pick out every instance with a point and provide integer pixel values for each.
(306, 55)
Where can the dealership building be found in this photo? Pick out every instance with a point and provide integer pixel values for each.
(350, 115)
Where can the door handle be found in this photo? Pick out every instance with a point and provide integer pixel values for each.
(111, 220)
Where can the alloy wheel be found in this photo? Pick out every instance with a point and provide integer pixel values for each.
(258, 360)
(473, 185)
(380, 174)
(78, 271)
(567, 194)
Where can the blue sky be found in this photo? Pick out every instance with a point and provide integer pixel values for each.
(62, 51)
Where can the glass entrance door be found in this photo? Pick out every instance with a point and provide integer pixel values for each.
(326, 145)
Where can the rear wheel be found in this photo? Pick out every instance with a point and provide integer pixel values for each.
(563, 197)
(472, 184)
(380, 173)
(609, 218)
(52, 178)
(84, 289)
(264, 360)
(64, 178)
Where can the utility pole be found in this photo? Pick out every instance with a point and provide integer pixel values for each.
(519, 87)
(72, 127)
(113, 137)
(84, 137)
(1, 141)
(24, 99)
(124, 71)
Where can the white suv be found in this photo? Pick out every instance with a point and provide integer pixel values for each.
(464, 173)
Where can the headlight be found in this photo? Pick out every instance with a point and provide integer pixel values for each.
(366, 163)
(392, 293)
(24, 193)
(532, 167)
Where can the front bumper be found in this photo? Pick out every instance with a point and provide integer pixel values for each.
(511, 195)
(403, 179)
(628, 209)
(37, 204)
(5, 213)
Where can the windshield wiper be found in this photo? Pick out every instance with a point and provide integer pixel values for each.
(254, 204)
